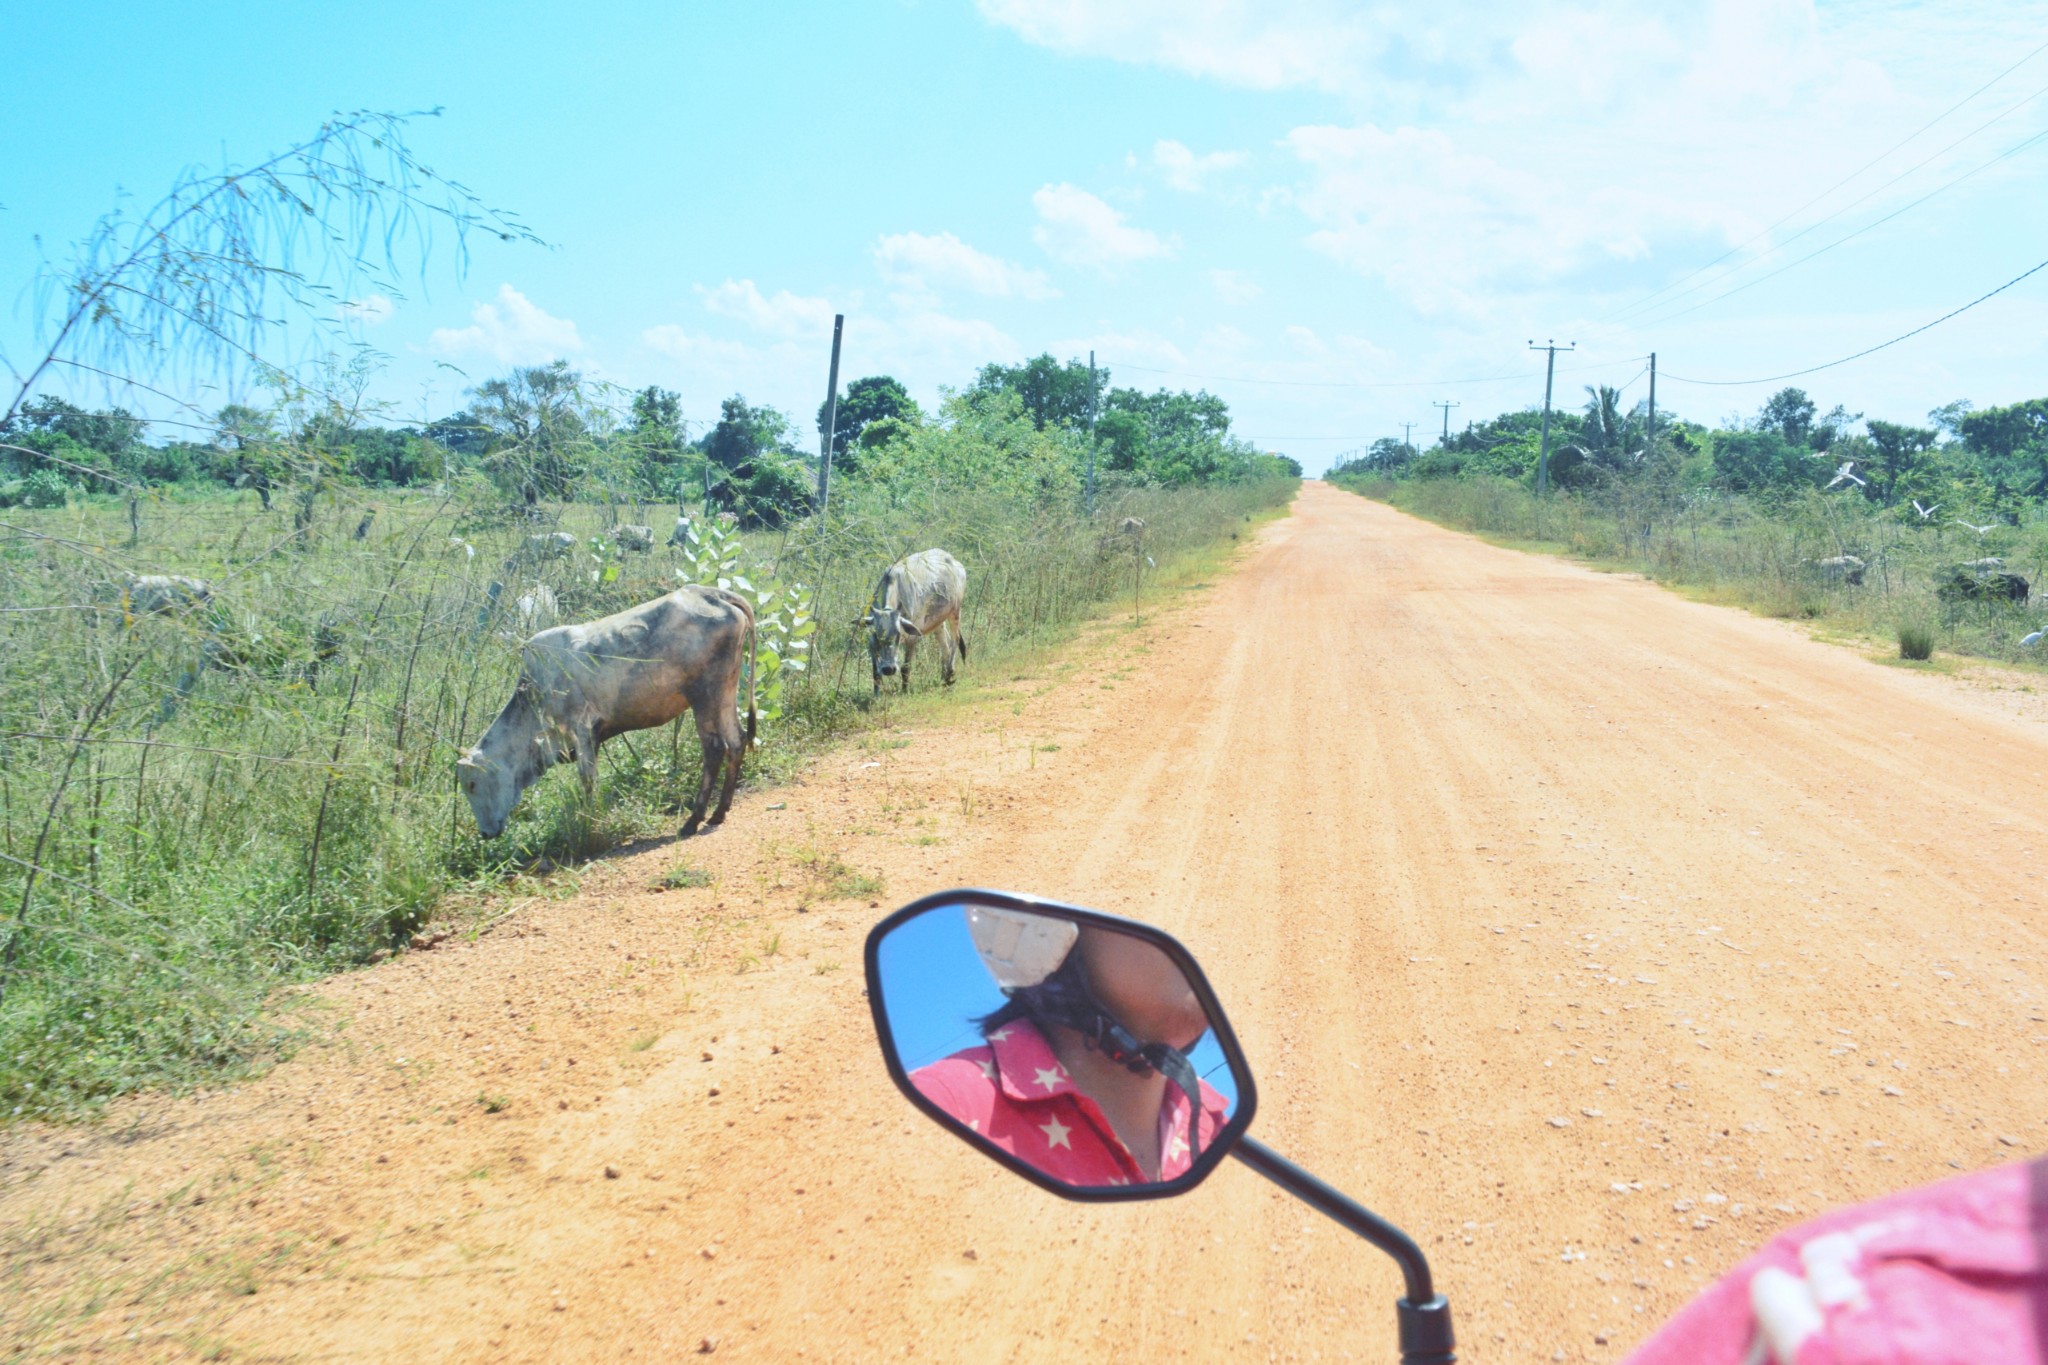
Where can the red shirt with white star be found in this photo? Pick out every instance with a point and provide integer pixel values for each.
(1015, 1093)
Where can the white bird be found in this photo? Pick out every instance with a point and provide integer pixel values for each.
(2030, 641)
(1980, 530)
(1925, 512)
(1846, 472)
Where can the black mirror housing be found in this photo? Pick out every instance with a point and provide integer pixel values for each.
(972, 993)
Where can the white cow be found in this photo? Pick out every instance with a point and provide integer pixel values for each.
(634, 537)
(553, 545)
(581, 684)
(918, 594)
(150, 594)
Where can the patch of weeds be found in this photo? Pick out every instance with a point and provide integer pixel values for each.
(642, 1044)
(494, 1104)
(827, 876)
(771, 945)
(1048, 748)
(1916, 640)
(682, 876)
(825, 969)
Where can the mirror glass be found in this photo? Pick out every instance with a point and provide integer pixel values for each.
(1078, 1049)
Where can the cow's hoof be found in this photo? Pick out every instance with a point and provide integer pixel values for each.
(689, 828)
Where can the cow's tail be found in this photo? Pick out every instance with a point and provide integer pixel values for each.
(753, 668)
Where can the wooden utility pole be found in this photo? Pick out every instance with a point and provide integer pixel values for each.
(1447, 417)
(1650, 443)
(1089, 505)
(831, 426)
(1549, 375)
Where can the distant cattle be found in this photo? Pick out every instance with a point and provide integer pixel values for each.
(534, 609)
(681, 534)
(1840, 569)
(634, 537)
(1981, 580)
(153, 594)
(553, 545)
(917, 595)
(581, 684)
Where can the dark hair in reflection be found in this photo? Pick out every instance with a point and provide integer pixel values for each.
(1065, 997)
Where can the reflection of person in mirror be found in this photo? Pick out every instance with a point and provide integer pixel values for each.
(1084, 1073)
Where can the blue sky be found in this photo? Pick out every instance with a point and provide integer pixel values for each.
(1327, 213)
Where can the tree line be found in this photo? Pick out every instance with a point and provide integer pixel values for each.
(1991, 461)
(545, 432)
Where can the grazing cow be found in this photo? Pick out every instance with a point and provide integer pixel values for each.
(681, 534)
(918, 594)
(634, 537)
(1981, 580)
(153, 594)
(1846, 569)
(581, 684)
(553, 545)
(535, 609)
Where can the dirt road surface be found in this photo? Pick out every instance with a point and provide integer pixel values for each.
(1589, 933)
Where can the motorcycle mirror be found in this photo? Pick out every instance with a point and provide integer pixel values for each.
(1070, 1046)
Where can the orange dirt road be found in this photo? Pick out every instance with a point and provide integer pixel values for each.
(1589, 933)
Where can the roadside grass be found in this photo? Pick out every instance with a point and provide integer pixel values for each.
(1734, 551)
(200, 808)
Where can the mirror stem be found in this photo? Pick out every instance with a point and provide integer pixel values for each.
(1425, 1316)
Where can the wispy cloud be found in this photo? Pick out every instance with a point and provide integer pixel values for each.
(369, 310)
(1076, 227)
(1186, 171)
(512, 331)
(785, 314)
(935, 262)
(1235, 287)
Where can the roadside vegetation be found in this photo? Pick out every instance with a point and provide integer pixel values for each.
(1934, 536)
(200, 805)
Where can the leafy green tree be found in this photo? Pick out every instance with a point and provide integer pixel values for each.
(1052, 394)
(50, 433)
(1896, 455)
(755, 473)
(1764, 459)
(540, 428)
(2009, 447)
(1789, 413)
(877, 398)
(654, 441)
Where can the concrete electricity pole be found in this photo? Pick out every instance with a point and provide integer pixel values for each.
(1408, 435)
(1549, 375)
(1650, 442)
(831, 420)
(1447, 417)
(1089, 505)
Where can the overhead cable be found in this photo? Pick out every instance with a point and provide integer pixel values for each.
(1767, 231)
(1368, 384)
(1815, 369)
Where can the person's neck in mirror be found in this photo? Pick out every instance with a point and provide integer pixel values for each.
(1129, 1101)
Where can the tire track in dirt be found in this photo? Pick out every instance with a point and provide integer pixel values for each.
(1469, 840)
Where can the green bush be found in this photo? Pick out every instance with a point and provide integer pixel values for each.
(44, 488)
(1916, 640)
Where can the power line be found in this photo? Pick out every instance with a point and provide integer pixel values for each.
(1368, 384)
(2012, 151)
(1772, 379)
(1765, 232)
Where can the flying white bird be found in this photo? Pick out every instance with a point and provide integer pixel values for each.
(1925, 512)
(1980, 530)
(1847, 471)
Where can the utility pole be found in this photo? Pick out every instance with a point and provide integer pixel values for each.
(1089, 506)
(1549, 375)
(1408, 435)
(831, 428)
(1650, 444)
(1447, 417)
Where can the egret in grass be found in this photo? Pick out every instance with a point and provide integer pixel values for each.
(2028, 642)
(1847, 472)
(1926, 513)
(1980, 530)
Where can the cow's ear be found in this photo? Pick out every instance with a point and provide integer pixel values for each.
(903, 625)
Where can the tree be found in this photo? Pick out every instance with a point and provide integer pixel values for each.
(247, 438)
(539, 424)
(1052, 394)
(654, 437)
(1896, 453)
(1763, 459)
(1789, 413)
(760, 479)
(877, 398)
(2010, 446)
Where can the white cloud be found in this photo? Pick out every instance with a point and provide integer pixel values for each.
(678, 344)
(512, 331)
(1076, 227)
(1186, 171)
(1269, 45)
(1235, 287)
(369, 310)
(929, 263)
(785, 314)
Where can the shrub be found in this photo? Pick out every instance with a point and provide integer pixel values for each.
(44, 488)
(1916, 640)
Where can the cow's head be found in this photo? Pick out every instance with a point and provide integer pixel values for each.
(887, 631)
(510, 757)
